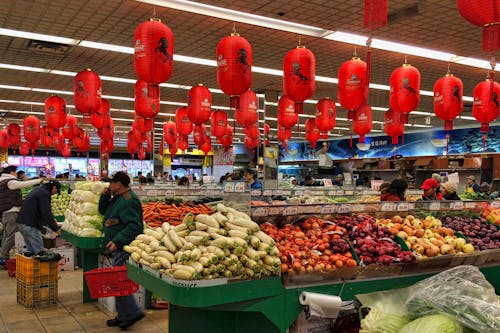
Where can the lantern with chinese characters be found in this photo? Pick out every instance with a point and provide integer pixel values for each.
(31, 127)
(227, 139)
(55, 112)
(247, 113)
(99, 118)
(234, 66)
(299, 67)
(87, 89)
(184, 124)
(206, 146)
(326, 114)
(375, 14)
(252, 131)
(404, 95)
(70, 129)
(199, 134)
(14, 132)
(393, 125)
(362, 122)
(153, 51)
(486, 104)
(448, 102)
(142, 125)
(147, 99)
(170, 132)
(183, 142)
(353, 85)
(485, 14)
(312, 132)
(58, 141)
(218, 123)
(24, 148)
(200, 104)
(287, 117)
(4, 139)
(47, 135)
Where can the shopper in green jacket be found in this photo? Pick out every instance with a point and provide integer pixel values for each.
(122, 212)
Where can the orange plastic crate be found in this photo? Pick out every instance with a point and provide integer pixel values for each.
(36, 295)
(29, 270)
(110, 281)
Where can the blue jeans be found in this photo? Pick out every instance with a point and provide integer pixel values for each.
(126, 306)
(33, 238)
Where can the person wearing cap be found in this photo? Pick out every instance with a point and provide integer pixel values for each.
(10, 205)
(339, 180)
(122, 212)
(35, 214)
(430, 187)
(472, 187)
(449, 191)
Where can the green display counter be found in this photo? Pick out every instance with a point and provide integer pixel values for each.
(90, 247)
(262, 305)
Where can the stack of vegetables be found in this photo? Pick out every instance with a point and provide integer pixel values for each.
(225, 244)
(60, 202)
(82, 217)
(156, 213)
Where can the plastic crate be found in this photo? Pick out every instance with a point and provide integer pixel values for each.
(110, 281)
(36, 295)
(31, 271)
(11, 267)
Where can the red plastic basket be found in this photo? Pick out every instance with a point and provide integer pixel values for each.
(110, 281)
(11, 267)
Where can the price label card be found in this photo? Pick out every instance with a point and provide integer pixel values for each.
(495, 204)
(358, 208)
(403, 207)
(310, 209)
(329, 209)
(152, 193)
(343, 209)
(140, 192)
(267, 193)
(457, 205)
(299, 193)
(229, 187)
(435, 206)
(411, 206)
(307, 192)
(365, 192)
(470, 205)
(276, 211)
(339, 192)
(302, 210)
(239, 187)
(286, 193)
(255, 193)
(350, 192)
(290, 210)
(332, 193)
(260, 211)
(388, 206)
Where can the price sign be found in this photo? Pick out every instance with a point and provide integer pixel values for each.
(495, 204)
(277, 192)
(457, 205)
(388, 206)
(239, 187)
(435, 206)
(152, 193)
(328, 209)
(339, 192)
(332, 193)
(260, 211)
(411, 206)
(290, 210)
(275, 211)
(267, 193)
(343, 209)
(229, 187)
(255, 193)
(299, 193)
(286, 193)
(403, 207)
(327, 182)
(358, 208)
(470, 205)
(307, 192)
(350, 192)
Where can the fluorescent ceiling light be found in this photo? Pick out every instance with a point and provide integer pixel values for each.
(423, 126)
(43, 37)
(473, 62)
(237, 16)
(467, 118)
(107, 47)
(5, 86)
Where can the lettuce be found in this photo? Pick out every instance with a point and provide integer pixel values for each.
(437, 323)
(379, 322)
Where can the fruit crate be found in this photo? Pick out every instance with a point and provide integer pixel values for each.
(36, 295)
(33, 271)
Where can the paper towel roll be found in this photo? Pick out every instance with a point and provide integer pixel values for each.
(325, 306)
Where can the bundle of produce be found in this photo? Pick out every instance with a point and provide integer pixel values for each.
(481, 234)
(82, 217)
(372, 243)
(225, 244)
(426, 237)
(155, 214)
(60, 202)
(312, 246)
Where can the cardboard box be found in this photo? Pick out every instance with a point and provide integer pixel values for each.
(67, 262)
(311, 325)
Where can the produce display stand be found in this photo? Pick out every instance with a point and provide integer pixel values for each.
(89, 247)
(261, 305)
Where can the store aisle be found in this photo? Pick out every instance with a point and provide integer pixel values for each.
(70, 315)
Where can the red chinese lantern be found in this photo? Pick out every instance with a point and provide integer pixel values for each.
(153, 51)
(31, 126)
(234, 66)
(87, 88)
(170, 132)
(147, 99)
(393, 125)
(47, 136)
(486, 105)
(326, 114)
(24, 148)
(172, 149)
(150, 143)
(161, 148)
(199, 134)
(375, 14)
(99, 118)
(227, 139)
(141, 154)
(485, 14)
(200, 104)
(107, 146)
(108, 131)
(267, 129)
(299, 82)
(132, 144)
(66, 151)
(251, 143)
(252, 131)
(218, 123)
(142, 125)
(206, 146)
(70, 130)
(287, 117)
(362, 122)
(184, 124)
(183, 142)
(284, 134)
(448, 102)
(4, 139)
(247, 113)
(80, 140)
(14, 132)
(84, 146)
(312, 132)
(58, 141)
(405, 90)
(352, 85)
(139, 137)
(55, 112)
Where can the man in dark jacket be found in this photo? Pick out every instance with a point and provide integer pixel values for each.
(35, 214)
(122, 212)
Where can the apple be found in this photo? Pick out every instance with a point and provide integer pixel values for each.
(417, 223)
(428, 233)
(450, 241)
(460, 243)
(436, 223)
(418, 249)
(412, 239)
(403, 235)
(468, 248)
(445, 249)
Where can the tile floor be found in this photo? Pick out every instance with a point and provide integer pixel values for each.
(69, 315)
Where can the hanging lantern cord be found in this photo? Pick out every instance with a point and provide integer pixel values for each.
(449, 71)
(493, 64)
